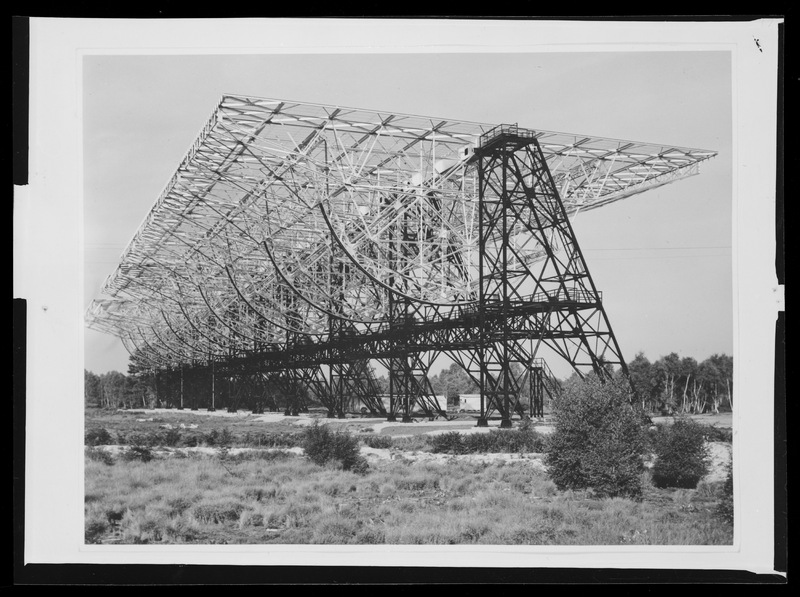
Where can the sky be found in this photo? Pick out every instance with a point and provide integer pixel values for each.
(662, 258)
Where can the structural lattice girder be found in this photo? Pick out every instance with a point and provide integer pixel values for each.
(285, 218)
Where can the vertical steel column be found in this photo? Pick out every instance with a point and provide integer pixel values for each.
(483, 420)
(501, 203)
(505, 365)
(536, 392)
(392, 409)
(406, 390)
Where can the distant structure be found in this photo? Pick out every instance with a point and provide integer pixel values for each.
(298, 243)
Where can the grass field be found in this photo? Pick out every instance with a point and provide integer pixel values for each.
(267, 492)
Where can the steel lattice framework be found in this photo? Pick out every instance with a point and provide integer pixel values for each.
(298, 242)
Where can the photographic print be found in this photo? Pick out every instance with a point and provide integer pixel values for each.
(436, 298)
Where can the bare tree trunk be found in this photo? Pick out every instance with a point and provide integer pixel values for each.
(684, 391)
(696, 390)
(668, 389)
(730, 397)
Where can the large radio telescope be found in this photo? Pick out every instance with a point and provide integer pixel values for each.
(288, 226)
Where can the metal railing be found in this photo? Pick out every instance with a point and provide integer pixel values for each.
(511, 130)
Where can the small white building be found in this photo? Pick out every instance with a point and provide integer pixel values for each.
(469, 402)
(385, 399)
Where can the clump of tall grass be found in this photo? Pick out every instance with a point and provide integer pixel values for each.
(725, 506)
(219, 511)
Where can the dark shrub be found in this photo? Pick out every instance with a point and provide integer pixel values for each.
(171, 437)
(322, 446)
(142, 453)
(137, 438)
(377, 441)
(598, 442)
(479, 443)
(510, 441)
(94, 530)
(515, 441)
(272, 440)
(97, 436)
(447, 443)
(215, 437)
(681, 455)
(226, 437)
(99, 455)
(725, 506)
(266, 455)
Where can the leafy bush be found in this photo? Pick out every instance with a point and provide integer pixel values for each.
(97, 436)
(447, 443)
(142, 453)
(323, 446)
(271, 440)
(509, 441)
(725, 506)
(477, 443)
(99, 455)
(512, 441)
(598, 441)
(681, 454)
(264, 455)
(378, 441)
(137, 438)
(170, 437)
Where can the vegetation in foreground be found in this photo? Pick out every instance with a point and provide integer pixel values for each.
(597, 490)
(276, 497)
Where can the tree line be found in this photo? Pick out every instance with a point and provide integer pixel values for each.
(670, 384)
(683, 385)
(116, 390)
